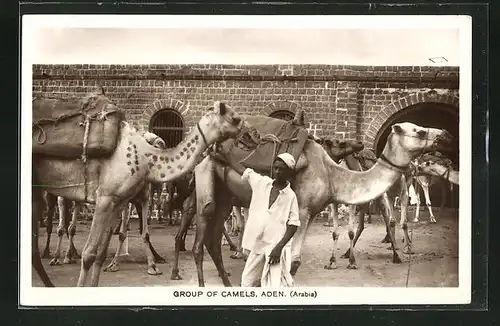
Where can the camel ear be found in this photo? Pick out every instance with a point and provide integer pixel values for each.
(220, 108)
(397, 129)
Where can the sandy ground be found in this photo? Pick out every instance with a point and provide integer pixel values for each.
(434, 263)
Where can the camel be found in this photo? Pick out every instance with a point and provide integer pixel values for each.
(337, 149)
(318, 182)
(362, 161)
(70, 226)
(111, 182)
(426, 171)
(429, 164)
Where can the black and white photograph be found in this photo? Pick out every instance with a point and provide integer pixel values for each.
(243, 160)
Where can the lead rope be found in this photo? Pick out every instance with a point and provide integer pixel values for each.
(410, 252)
(86, 124)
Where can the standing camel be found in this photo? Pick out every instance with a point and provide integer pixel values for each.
(426, 171)
(336, 149)
(318, 182)
(429, 165)
(112, 181)
(69, 227)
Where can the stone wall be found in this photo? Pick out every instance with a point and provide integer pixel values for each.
(350, 102)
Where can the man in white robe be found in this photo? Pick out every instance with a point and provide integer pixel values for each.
(273, 219)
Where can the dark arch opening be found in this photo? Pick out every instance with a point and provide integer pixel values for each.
(283, 115)
(169, 125)
(434, 115)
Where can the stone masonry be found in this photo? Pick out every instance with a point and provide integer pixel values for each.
(350, 102)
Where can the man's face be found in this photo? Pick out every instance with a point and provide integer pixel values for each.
(280, 170)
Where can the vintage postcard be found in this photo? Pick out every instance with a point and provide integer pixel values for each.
(245, 160)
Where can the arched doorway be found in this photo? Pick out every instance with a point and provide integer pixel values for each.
(169, 125)
(427, 114)
(283, 115)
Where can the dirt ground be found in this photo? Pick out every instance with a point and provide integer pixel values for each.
(434, 263)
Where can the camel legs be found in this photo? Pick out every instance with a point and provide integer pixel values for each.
(187, 216)
(384, 205)
(51, 205)
(230, 241)
(36, 214)
(205, 207)
(143, 218)
(71, 252)
(122, 235)
(404, 214)
(106, 209)
(150, 252)
(214, 233)
(425, 188)
(64, 206)
(352, 215)
(335, 237)
(299, 238)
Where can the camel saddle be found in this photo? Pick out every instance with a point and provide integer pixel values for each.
(87, 127)
(257, 148)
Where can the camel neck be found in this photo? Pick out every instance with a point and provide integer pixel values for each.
(360, 187)
(165, 165)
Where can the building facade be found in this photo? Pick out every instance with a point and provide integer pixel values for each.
(342, 102)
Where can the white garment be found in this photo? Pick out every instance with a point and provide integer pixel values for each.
(265, 227)
(278, 275)
(258, 271)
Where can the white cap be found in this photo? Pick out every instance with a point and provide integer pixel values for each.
(288, 159)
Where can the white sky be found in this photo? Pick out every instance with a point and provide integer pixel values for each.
(361, 44)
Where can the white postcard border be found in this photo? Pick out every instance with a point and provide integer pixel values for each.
(166, 296)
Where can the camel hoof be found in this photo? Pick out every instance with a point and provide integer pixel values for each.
(385, 240)
(352, 266)
(415, 220)
(294, 268)
(433, 220)
(154, 271)
(160, 260)
(331, 266)
(55, 262)
(112, 267)
(396, 260)
(69, 261)
(408, 251)
(175, 277)
(46, 253)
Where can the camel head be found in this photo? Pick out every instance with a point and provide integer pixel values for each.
(220, 122)
(434, 164)
(155, 140)
(338, 149)
(407, 141)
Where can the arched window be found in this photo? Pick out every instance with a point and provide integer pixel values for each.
(283, 115)
(169, 125)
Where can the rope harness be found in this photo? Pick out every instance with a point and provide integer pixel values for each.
(87, 104)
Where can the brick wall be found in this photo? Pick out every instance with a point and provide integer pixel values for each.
(349, 102)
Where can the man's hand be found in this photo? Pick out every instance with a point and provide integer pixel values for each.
(275, 255)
